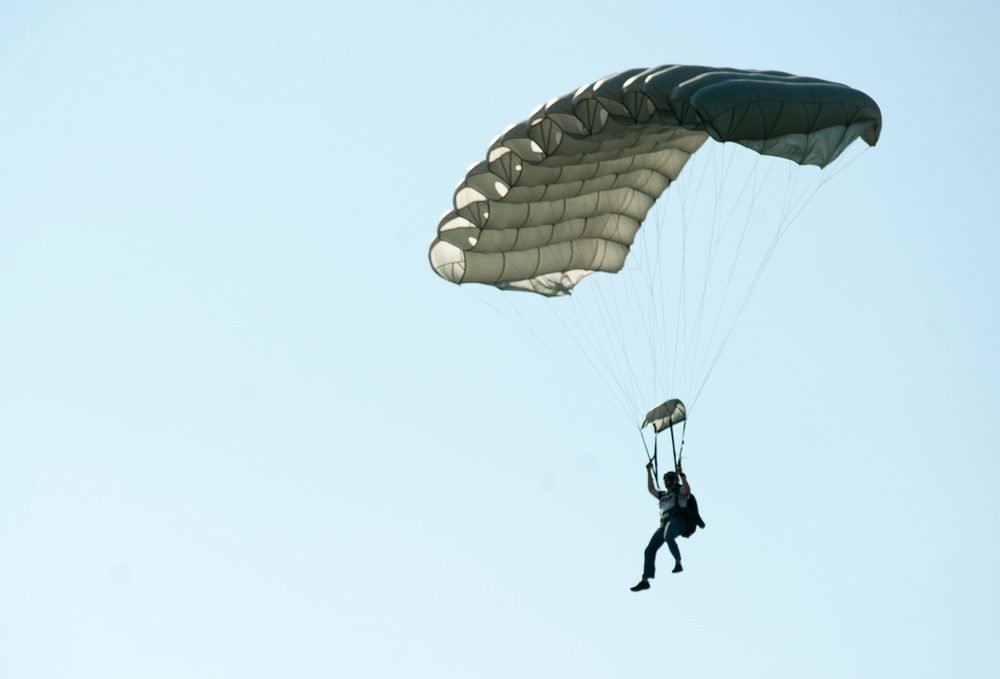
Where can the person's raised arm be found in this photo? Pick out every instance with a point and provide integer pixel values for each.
(685, 486)
(649, 480)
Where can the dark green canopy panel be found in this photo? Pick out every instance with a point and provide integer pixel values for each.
(562, 194)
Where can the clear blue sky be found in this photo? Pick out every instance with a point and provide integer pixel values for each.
(246, 432)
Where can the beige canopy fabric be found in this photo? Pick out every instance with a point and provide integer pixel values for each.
(665, 415)
(562, 194)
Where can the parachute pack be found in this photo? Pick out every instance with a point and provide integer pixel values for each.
(690, 517)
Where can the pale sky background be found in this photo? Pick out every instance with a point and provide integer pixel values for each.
(246, 432)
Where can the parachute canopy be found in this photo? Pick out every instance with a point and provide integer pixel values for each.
(665, 415)
(562, 194)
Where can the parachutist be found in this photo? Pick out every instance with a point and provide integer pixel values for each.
(673, 500)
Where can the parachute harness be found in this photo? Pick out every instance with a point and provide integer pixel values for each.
(677, 451)
(651, 458)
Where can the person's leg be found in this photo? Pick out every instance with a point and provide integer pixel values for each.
(670, 535)
(649, 563)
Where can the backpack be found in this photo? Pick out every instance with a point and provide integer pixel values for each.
(690, 518)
